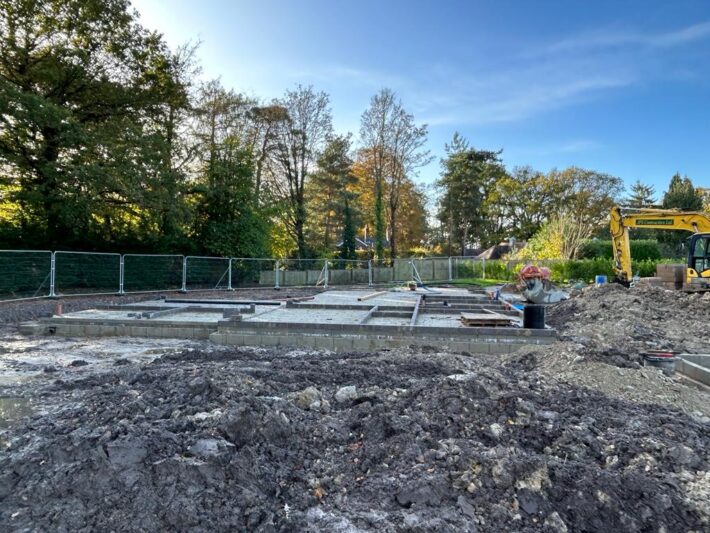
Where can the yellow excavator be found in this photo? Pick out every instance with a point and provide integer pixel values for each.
(698, 267)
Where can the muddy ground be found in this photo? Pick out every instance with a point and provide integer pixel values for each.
(615, 325)
(142, 435)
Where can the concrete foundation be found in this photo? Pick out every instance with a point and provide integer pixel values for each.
(334, 320)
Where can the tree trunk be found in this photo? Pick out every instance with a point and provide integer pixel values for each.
(393, 238)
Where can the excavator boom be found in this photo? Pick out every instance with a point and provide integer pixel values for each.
(661, 219)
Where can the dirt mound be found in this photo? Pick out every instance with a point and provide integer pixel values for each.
(276, 440)
(615, 324)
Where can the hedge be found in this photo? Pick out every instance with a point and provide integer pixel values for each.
(560, 271)
(640, 250)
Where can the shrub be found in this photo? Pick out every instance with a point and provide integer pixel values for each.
(640, 250)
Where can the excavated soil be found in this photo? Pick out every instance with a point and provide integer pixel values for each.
(217, 439)
(613, 324)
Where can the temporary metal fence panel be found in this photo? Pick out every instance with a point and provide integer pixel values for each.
(25, 274)
(468, 267)
(348, 272)
(145, 272)
(206, 273)
(87, 273)
(302, 272)
(246, 272)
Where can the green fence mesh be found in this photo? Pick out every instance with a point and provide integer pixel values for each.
(207, 273)
(253, 272)
(152, 272)
(86, 273)
(24, 274)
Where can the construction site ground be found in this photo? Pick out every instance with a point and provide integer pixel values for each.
(135, 434)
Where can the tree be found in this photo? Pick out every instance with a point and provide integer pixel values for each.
(329, 190)
(641, 195)
(395, 144)
(467, 174)
(80, 82)
(375, 133)
(299, 139)
(561, 237)
(228, 221)
(520, 202)
(681, 194)
(347, 250)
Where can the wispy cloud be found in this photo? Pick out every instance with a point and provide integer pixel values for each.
(606, 38)
(539, 80)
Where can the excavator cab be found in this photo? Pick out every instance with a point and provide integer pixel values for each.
(699, 259)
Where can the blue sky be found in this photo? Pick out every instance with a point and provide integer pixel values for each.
(621, 87)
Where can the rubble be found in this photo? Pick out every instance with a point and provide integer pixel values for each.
(615, 325)
(228, 438)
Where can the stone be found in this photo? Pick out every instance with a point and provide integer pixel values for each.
(308, 398)
(346, 394)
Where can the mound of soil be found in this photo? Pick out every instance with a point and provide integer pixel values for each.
(615, 324)
(276, 440)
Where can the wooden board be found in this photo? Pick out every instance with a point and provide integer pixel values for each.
(485, 319)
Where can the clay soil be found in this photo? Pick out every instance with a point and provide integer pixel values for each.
(207, 438)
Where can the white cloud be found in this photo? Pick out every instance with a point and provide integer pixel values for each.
(605, 38)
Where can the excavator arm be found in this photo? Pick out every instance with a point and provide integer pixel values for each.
(662, 219)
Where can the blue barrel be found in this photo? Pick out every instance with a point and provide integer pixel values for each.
(600, 280)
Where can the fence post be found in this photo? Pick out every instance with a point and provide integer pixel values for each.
(451, 269)
(121, 275)
(184, 274)
(369, 273)
(52, 274)
(484, 267)
(229, 274)
(277, 271)
(325, 280)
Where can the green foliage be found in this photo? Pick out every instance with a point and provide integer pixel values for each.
(347, 250)
(466, 174)
(681, 194)
(641, 195)
(640, 249)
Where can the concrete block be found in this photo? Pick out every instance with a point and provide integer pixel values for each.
(478, 347)
(323, 343)
(270, 340)
(306, 341)
(362, 344)
(107, 331)
(499, 347)
(233, 339)
(252, 340)
(218, 337)
(343, 343)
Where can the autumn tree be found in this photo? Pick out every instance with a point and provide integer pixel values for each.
(395, 144)
(299, 140)
(330, 191)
